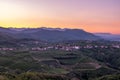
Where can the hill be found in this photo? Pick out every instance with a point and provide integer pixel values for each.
(4, 37)
(108, 36)
(49, 34)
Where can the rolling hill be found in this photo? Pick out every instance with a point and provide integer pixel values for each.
(49, 34)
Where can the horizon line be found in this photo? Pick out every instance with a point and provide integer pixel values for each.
(54, 28)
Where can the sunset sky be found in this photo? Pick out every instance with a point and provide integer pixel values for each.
(90, 15)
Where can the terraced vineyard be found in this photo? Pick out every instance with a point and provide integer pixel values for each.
(58, 64)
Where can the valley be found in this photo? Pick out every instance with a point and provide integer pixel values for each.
(71, 59)
(27, 57)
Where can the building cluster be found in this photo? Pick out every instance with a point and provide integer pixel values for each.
(7, 49)
(61, 47)
(70, 48)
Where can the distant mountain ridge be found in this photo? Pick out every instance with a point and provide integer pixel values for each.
(49, 34)
(109, 36)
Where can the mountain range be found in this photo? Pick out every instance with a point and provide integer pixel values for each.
(108, 36)
(46, 34)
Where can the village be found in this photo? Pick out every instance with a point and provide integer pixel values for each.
(61, 47)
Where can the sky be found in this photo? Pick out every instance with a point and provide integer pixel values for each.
(90, 15)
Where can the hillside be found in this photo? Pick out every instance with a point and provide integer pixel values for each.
(4, 37)
(26, 54)
(57, 63)
(50, 34)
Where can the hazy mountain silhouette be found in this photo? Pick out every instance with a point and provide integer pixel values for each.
(109, 36)
(49, 34)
